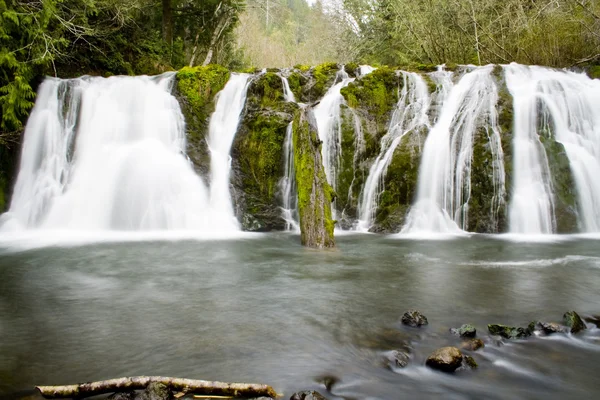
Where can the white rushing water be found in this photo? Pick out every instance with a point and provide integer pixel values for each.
(287, 184)
(444, 185)
(563, 106)
(103, 154)
(410, 115)
(223, 127)
(329, 124)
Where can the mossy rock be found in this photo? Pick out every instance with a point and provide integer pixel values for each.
(196, 90)
(563, 184)
(574, 322)
(374, 97)
(315, 195)
(257, 154)
(509, 332)
(400, 185)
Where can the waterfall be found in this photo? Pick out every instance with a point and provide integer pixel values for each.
(563, 106)
(109, 154)
(365, 70)
(329, 125)
(222, 129)
(287, 184)
(411, 114)
(444, 185)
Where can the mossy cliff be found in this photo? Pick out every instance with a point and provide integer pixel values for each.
(400, 184)
(314, 193)
(257, 154)
(309, 84)
(196, 90)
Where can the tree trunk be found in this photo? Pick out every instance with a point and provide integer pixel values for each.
(167, 22)
(213, 388)
(215, 38)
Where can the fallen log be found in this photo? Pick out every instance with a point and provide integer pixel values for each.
(215, 388)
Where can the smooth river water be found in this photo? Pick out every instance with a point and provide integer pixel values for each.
(263, 309)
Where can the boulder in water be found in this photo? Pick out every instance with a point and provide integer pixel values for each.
(155, 391)
(551, 327)
(594, 319)
(465, 331)
(468, 363)
(472, 344)
(509, 332)
(574, 321)
(396, 359)
(414, 318)
(446, 359)
(308, 395)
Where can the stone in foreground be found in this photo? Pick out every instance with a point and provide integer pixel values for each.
(465, 331)
(472, 344)
(308, 395)
(446, 359)
(396, 359)
(574, 321)
(508, 332)
(414, 318)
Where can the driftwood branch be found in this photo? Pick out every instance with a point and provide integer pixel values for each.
(140, 382)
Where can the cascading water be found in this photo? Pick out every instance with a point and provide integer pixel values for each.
(287, 184)
(329, 124)
(563, 106)
(223, 127)
(411, 114)
(109, 154)
(444, 185)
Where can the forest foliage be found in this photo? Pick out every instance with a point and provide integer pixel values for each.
(67, 38)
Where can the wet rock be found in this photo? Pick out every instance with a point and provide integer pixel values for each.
(414, 318)
(509, 332)
(155, 391)
(472, 344)
(446, 359)
(396, 359)
(574, 321)
(468, 363)
(465, 331)
(551, 327)
(308, 395)
(594, 319)
(122, 396)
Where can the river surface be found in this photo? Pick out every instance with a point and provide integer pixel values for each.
(261, 308)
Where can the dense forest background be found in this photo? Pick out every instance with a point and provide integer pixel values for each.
(67, 38)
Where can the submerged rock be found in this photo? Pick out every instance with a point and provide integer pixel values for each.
(446, 359)
(551, 327)
(508, 332)
(308, 395)
(594, 319)
(574, 321)
(465, 331)
(414, 318)
(396, 359)
(472, 344)
(469, 363)
(155, 391)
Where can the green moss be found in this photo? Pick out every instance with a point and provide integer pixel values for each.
(345, 202)
(563, 183)
(400, 184)
(314, 193)
(375, 95)
(483, 214)
(323, 76)
(266, 92)
(352, 68)
(301, 67)
(296, 82)
(594, 72)
(197, 87)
